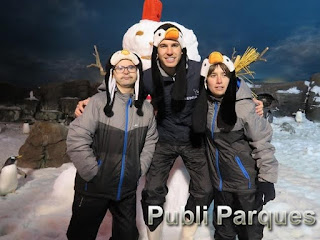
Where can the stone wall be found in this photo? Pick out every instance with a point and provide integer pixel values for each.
(51, 102)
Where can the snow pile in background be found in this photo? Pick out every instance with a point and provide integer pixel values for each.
(293, 90)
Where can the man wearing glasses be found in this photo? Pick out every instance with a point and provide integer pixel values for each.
(111, 145)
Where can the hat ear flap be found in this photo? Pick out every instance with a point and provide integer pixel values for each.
(158, 91)
(137, 86)
(140, 94)
(112, 85)
(199, 115)
(110, 88)
(179, 88)
(227, 116)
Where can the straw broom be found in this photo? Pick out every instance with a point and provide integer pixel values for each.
(242, 63)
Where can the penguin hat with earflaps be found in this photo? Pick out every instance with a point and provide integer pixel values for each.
(168, 31)
(111, 84)
(227, 116)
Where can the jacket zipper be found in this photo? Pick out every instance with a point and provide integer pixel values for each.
(243, 170)
(218, 169)
(124, 151)
(213, 119)
(80, 204)
(217, 152)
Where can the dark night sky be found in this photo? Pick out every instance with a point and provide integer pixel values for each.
(45, 41)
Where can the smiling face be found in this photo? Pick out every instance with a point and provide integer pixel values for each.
(125, 75)
(169, 55)
(218, 79)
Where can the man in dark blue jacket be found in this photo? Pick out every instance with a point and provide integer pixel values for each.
(173, 82)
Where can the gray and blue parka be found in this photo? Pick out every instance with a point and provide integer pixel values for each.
(110, 154)
(243, 156)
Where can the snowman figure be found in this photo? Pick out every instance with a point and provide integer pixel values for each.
(139, 37)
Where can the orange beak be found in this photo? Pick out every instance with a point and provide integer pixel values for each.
(215, 57)
(172, 34)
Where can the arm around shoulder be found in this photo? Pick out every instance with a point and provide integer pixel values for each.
(150, 142)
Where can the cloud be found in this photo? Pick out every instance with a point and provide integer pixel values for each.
(297, 56)
(72, 12)
(28, 69)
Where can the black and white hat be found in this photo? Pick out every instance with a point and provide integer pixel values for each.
(215, 58)
(227, 116)
(111, 81)
(169, 31)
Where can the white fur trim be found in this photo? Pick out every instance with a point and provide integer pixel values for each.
(112, 86)
(205, 68)
(123, 54)
(136, 86)
(228, 63)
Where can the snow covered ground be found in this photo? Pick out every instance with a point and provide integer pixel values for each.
(40, 209)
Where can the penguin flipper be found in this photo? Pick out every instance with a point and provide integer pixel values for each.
(22, 173)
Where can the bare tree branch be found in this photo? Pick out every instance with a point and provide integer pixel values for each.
(98, 62)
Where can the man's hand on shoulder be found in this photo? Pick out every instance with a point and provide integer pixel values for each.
(80, 107)
(259, 106)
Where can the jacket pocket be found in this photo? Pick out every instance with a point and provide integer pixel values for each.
(86, 183)
(243, 170)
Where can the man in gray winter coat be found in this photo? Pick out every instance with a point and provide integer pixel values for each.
(111, 145)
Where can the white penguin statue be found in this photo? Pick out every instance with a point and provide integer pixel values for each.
(9, 176)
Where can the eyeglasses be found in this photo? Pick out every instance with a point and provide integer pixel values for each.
(130, 68)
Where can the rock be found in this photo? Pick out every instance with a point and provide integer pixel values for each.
(10, 113)
(48, 115)
(287, 127)
(32, 156)
(50, 94)
(287, 101)
(68, 105)
(29, 108)
(45, 146)
(313, 99)
(270, 105)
